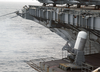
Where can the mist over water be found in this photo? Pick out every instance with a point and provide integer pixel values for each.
(22, 40)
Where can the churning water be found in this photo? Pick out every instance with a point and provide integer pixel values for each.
(22, 40)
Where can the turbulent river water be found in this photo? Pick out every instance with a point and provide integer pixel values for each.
(22, 40)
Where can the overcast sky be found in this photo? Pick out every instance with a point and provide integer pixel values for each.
(20, 0)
